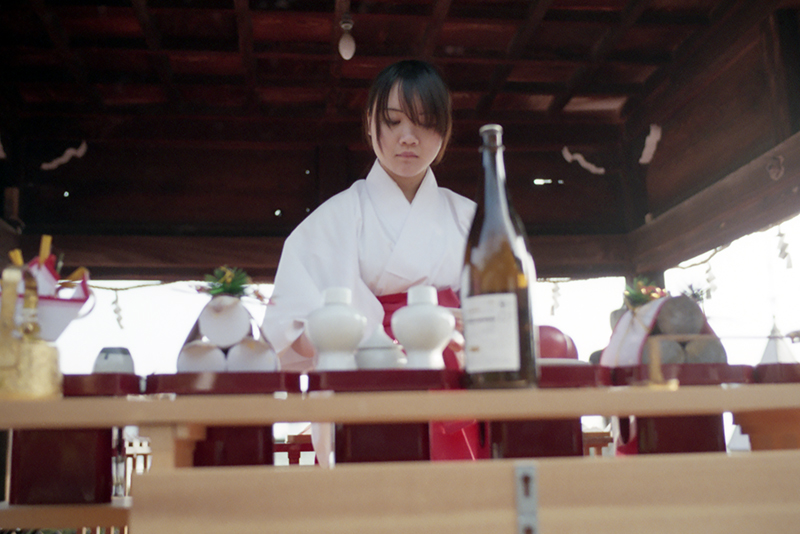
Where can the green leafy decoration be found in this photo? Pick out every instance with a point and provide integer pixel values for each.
(642, 292)
(228, 281)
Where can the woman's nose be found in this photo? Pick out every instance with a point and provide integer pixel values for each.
(409, 135)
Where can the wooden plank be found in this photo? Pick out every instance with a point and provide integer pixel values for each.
(73, 516)
(160, 257)
(171, 258)
(427, 44)
(159, 58)
(764, 192)
(600, 50)
(71, 59)
(536, 12)
(697, 62)
(405, 406)
(658, 494)
(705, 141)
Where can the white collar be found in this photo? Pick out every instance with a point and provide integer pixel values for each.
(391, 204)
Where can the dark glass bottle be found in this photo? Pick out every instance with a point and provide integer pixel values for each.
(497, 284)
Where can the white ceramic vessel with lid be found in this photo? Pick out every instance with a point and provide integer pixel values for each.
(335, 330)
(423, 328)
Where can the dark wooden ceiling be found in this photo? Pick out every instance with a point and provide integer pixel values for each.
(212, 127)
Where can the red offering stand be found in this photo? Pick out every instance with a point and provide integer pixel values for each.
(699, 433)
(401, 441)
(229, 445)
(562, 437)
(70, 466)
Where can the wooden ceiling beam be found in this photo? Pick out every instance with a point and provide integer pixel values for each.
(264, 132)
(71, 60)
(244, 27)
(601, 49)
(672, 86)
(191, 258)
(159, 59)
(760, 194)
(427, 45)
(536, 12)
(335, 72)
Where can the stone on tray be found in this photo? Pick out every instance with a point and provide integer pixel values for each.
(706, 350)
(670, 351)
(680, 315)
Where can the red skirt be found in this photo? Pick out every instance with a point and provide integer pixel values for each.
(449, 440)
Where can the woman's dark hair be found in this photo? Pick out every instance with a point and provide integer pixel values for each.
(423, 94)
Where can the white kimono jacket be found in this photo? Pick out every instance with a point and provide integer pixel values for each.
(371, 239)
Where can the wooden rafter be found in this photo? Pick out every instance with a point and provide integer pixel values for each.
(676, 83)
(599, 52)
(187, 257)
(244, 25)
(438, 16)
(159, 59)
(536, 12)
(335, 74)
(72, 61)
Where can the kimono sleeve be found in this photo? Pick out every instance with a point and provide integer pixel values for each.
(320, 253)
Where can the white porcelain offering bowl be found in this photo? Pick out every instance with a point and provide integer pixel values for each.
(335, 330)
(201, 356)
(114, 360)
(224, 321)
(423, 328)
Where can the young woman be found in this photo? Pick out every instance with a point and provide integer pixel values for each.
(386, 233)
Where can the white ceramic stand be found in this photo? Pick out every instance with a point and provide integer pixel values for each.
(423, 328)
(335, 330)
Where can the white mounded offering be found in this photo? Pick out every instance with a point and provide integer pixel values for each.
(224, 321)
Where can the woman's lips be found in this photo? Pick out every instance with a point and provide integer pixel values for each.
(407, 155)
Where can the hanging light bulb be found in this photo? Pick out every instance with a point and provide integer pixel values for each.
(347, 45)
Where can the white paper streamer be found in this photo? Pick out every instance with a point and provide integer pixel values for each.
(65, 157)
(650, 144)
(570, 157)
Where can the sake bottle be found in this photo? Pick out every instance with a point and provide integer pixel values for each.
(501, 342)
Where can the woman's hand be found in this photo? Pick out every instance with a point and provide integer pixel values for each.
(303, 346)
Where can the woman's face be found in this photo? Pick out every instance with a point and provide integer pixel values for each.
(405, 150)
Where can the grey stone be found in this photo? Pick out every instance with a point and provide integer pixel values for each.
(707, 350)
(680, 315)
(670, 351)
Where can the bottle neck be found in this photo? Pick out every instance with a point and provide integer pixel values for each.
(495, 195)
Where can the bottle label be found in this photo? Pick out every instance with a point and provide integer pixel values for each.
(491, 333)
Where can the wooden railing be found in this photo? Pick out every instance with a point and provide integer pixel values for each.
(709, 492)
